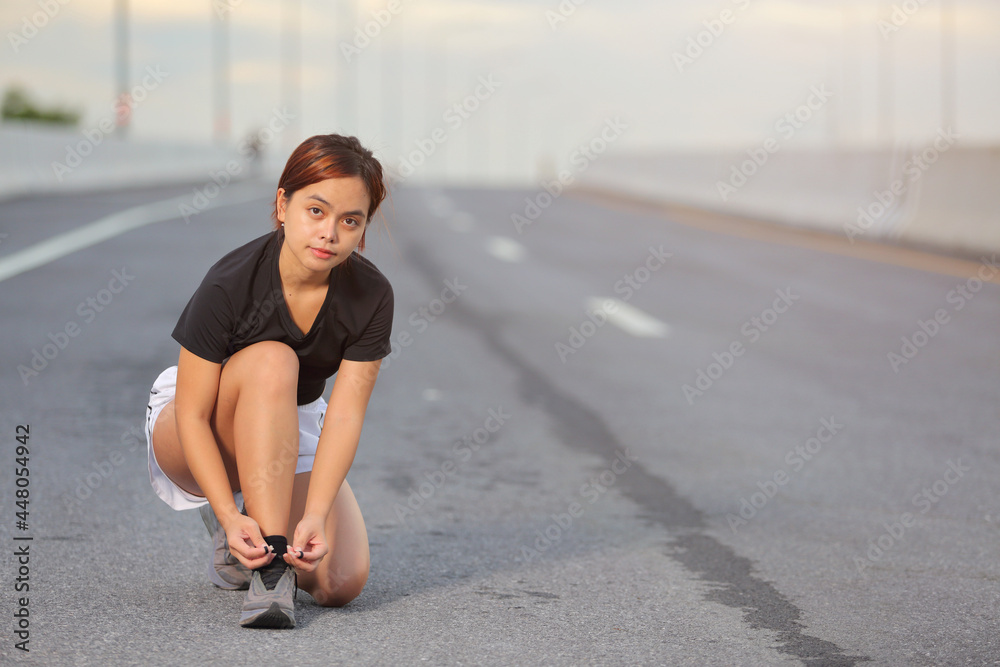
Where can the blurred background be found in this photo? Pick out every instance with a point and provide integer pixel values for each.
(839, 94)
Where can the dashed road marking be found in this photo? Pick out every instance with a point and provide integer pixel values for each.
(431, 394)
(506, 249)
(629, 318)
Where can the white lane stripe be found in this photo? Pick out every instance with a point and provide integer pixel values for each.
(506, 249)
(629, 318)
(100, 230)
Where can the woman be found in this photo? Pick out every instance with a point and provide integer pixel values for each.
(243, 410)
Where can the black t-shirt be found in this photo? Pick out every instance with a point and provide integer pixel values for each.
(241, 302)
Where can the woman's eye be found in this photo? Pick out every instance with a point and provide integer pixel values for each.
(315, 211)
(351, 222)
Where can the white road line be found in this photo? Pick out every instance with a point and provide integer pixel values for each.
(629, 318)
(100, 230)
(506, 249)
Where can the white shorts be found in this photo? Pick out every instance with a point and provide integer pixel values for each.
(310, 426)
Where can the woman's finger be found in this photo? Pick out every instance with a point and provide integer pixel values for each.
(252, 557)
(295, 558)
(315, 551)
(246, 536)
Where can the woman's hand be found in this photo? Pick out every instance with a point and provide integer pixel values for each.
(310, 541)
(243, 533)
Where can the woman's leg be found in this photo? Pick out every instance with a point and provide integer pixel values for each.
(257, 429)
(344, 570)
(256, 426)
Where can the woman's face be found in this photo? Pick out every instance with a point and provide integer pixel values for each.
(323, 222)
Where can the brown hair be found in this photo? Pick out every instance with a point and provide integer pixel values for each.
(327, 156)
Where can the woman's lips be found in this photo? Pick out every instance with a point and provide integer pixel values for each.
(322, 254)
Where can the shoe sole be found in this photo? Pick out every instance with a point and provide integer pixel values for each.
(272, 617)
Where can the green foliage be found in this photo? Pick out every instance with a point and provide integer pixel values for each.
(18, 105)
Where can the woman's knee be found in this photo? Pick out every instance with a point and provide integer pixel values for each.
(341, 587)
(270, 360)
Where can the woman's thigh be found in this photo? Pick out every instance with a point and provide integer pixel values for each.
(343, 572)
(168, 452)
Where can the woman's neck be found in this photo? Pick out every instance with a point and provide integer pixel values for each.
(296, 278)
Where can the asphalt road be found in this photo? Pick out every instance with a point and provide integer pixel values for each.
(738, 461)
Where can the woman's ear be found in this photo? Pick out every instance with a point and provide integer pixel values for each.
(280, 204)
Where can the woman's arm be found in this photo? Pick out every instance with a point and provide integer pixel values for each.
(338, 442)
(197, 392)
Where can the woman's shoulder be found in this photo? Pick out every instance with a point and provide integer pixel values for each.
(244, 260)
(363, 272)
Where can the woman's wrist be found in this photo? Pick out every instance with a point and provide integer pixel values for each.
(226, 513)
(317, 512)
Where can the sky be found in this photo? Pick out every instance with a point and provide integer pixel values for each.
(533, 79)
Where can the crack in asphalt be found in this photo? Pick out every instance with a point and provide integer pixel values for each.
(729, 575)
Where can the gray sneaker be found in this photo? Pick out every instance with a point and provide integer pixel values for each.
(223, 569)
(274, 608)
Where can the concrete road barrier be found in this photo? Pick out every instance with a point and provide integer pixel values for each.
(938, 194)
(35, 159)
